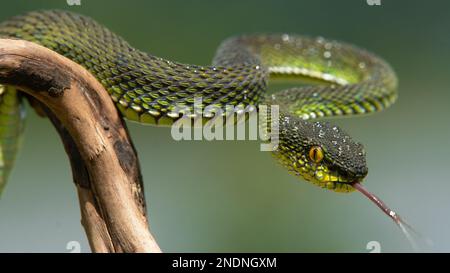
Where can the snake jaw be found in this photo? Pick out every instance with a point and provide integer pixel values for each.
(324, 177)
(333, 177)
(337, 183)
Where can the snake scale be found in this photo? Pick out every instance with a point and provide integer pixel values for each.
(146, 88)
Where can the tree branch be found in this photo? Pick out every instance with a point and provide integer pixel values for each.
(104, 163)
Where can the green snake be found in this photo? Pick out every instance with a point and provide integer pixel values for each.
(146, 88)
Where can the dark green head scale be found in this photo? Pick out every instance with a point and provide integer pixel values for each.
(321, 153)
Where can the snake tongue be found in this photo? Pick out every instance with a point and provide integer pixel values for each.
(372, 197)
(392, 214)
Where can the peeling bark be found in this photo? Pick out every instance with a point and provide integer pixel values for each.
(104, 162)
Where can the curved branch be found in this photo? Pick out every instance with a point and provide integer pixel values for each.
(104, 163)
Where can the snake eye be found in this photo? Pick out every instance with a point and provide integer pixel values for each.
(316, 154)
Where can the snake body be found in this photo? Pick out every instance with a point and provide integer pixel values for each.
(146, 88)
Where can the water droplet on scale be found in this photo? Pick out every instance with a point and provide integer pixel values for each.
(319, 175)
(320, 40)
(285, 37)
(321, 133)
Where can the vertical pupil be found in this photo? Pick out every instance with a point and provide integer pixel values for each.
(314, 154)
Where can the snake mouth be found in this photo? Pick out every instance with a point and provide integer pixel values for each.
(344, 180)
(339, 180)
(336, 182)
(344, 187)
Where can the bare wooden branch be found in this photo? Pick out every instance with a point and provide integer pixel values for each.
(104, 163)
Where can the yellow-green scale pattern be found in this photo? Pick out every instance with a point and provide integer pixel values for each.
(11, 128)
(147, 89)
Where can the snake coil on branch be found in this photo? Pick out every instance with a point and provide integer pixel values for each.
(146, 89)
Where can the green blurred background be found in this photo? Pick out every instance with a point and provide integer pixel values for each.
(230, 197)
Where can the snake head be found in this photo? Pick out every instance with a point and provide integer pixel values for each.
(321, 153)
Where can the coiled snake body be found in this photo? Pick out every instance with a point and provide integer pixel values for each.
(146, 88)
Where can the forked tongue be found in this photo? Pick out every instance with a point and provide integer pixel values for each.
(405, 228)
